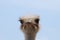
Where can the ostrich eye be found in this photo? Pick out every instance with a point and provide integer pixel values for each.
(37, 21)
(21, 21)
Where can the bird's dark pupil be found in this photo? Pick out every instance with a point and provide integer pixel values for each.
(21, 21)
(37, 20)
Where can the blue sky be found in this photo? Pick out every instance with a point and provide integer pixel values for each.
(11, 10)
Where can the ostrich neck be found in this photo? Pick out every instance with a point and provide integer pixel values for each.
(30, 36)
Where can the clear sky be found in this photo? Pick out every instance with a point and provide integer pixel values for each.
(11, 10)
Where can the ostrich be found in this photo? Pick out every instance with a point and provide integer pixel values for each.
(29, 26)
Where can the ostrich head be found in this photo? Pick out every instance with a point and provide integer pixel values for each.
(30, 26)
